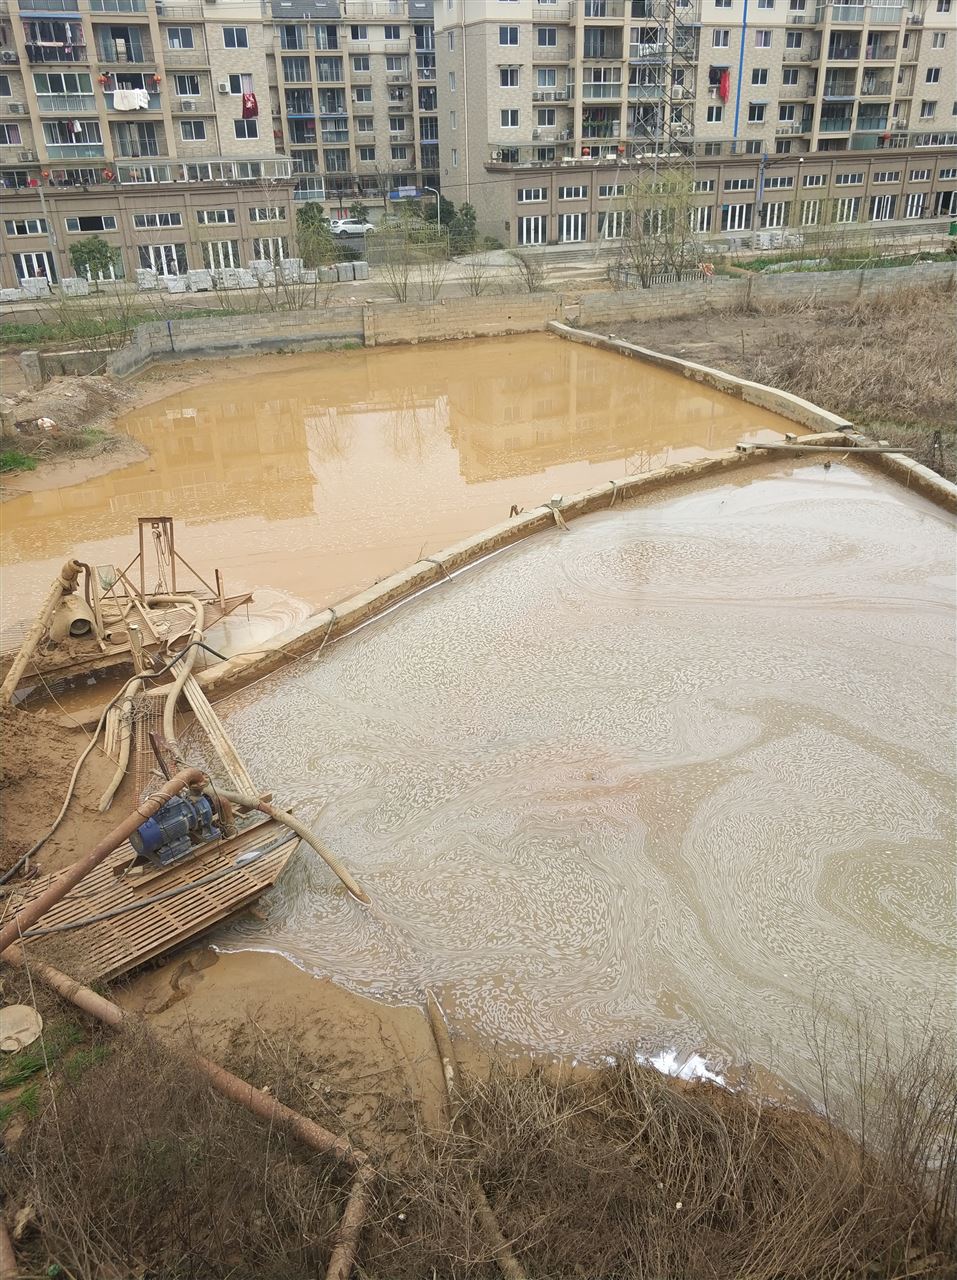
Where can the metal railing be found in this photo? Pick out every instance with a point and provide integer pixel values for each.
(155, 102)
(74, 150)
(66, 102)
(118, 6)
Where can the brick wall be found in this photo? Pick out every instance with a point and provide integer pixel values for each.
(459, 318)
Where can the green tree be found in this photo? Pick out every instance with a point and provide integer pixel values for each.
(462, 234)
(93, 257)
(427, 209)
(359, 210)
(316, 242)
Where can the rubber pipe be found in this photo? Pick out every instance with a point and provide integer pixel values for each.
(30, 913)
(126, 740)
(350, 1225)
(233, 1087)
(169, 709)
(303, 832)
(64, 586)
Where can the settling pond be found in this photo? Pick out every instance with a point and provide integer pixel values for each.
(672, 778)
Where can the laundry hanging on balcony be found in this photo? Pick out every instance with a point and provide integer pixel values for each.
(724, 86)
(131, 100)
(250, 106)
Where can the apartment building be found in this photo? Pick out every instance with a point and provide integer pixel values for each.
(785, 113)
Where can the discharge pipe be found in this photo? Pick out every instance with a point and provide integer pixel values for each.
(29, 914)
(65, 585)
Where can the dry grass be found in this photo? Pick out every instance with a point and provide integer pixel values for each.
(136, 1168)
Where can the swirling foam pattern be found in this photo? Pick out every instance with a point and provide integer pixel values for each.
(657, 779)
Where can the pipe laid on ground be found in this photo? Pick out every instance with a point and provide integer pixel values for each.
(30, 913)
(65, 585)
(233, 1087)
(350, 1225)
(303, 832)
(169, 710)
(126, 738)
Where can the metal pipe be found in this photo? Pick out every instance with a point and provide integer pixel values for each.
(303, 832)
(30, 913)
(65, 585)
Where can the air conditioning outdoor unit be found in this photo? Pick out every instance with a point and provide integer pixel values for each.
(15, 109)
(496, 155)
(223, 85)
(536, 133)
(9, 55)
(187, 104)
(25, 157)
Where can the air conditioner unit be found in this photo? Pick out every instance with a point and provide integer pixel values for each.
(16, 109)
(26, 157)
(187, 104)
(9, 55)
(536, 133)
(496, 155)
(223, 85)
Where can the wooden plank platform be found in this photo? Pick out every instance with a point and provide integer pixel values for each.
(145, 929)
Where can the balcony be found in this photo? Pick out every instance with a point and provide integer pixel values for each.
(66, 103)
(839, 53)
(57, 6)
(218, 169)
(598, 9)
(176, 58)
(552, 95)
(530, 155)
(551, 53)
(38, 54)
(122, 52)
(839, 90)
(334, 137)
(645, 92)
(646, 53)
(878, 88)
(880, 53)
(841, 124)
(74, 150)
(305, 194)
(842, 12)
(136, 148)
(155, 103)
(118, 6)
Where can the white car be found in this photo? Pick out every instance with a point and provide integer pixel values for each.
(350, 227)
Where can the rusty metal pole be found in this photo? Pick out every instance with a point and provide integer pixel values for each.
(64, 586)
(29, 914)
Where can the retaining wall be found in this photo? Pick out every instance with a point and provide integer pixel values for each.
(40, 366)
(460, 318)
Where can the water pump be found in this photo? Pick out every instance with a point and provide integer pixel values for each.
(175, 830)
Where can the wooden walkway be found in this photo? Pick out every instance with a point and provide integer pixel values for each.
(212, 889)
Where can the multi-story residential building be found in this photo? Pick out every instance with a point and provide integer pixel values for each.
(547, 108)
(186, 131)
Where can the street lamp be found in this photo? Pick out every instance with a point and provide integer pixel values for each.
(438, 206)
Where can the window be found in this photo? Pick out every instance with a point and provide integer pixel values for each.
(62, 82)
(775, 214)
(762, 39)
(847, 208)
(364, 124)
(882, 208)
(392, 32)
(179, 38)
(398, 124)
(533, 230)
(753, 148)
(920, 175)
(400, 153)
(186, 86)
(701, 219)
(778, 184)
(246, 128)
(26, 227)
(56, 133)
(532, 195)
(703, 184)
(722, 4)
(455, 157)
(611, 226)
(947, 175)
(396, 62)
(572, 227)
(928, 110)
(220, 254)
(295, 70)
(739, 184)
(848, 179)
(720, 38)
(9, 135)
(210, 217)
(736, 217)
(815, 180)
(933, 75)
(757, 112)
(91, 222)
(811, 213)
(507, 35)
(608, 191)
(939, 40)
(715, 114)
(546, 37)
(147, 221)
(786, 112)
(367, 155)
(712, 148)
(797, 6)
(451, 82)
(765, 4)
(546, 117)
(887, 175)
(914, 204)
(235, 38)
(240, 83)
(943, 6)
(273, 248)
(358, 31)
(164, 259)
(453, 120)
(789, 75)
(573, 193)
(508, 77)
(452, 41)
(510, 118)
(546, 77)
(363, 93)
(5, 91)
(794, 39)
(759, 75)
(360, 62)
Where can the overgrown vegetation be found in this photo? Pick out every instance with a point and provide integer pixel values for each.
(622, 1173)
(14, 460)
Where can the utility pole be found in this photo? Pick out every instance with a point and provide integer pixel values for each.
(48, 223)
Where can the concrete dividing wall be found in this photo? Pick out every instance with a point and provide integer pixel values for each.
(460, 318)
(40, 366)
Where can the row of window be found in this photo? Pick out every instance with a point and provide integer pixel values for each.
(87, 223)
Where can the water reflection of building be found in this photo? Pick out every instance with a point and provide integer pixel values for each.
(572, 407)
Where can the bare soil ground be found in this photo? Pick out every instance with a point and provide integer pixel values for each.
(888, 364)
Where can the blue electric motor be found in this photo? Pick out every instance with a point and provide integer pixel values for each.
(175, 829)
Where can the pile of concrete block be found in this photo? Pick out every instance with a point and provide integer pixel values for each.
(11, 295)
(146, 278)
(75, 286)
(328, 275)
(290, 269)
(35, 287)
(345, 271)
(176, 284)
(199, 281)
(361, 270)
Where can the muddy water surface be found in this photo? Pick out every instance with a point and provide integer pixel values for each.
(670, 777)
(315, 475)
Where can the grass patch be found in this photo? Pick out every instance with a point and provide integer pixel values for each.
(14, 460)
(56, 1041)
(841, 262)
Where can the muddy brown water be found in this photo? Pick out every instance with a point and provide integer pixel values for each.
(676, 778)
(313, 476)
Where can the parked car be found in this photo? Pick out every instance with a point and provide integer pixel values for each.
(350, 227)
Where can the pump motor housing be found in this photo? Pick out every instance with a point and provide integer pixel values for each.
(175, 829)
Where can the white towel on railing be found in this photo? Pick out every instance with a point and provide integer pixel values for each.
(125, 100)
